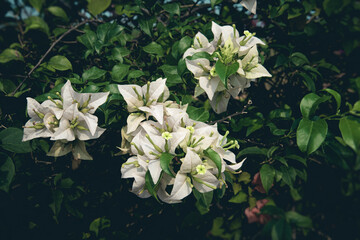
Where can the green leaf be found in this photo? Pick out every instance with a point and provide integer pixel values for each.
(36, 23)
(37, 4)
(136, 74)
(99, 224)
(225, 71)
(55, 206)
(299, 59)
(203, 200)
(93, 73)
(298, 219)
(281, 230)
(252, 151)
(147, 25)
(107, 31)
(7, 172)
(98, 6)
(88, 39)
(239, 198)
(309, 104)
(165, 160)
(154, 48)
(11, 140)
(172, 8)
(350, 131)
(215, 2)
(267, 174)
(150, 186)
(58, 12)
(198, 114)
(60, 63)
(119, 71)
(9, 55)
(336, 95)
(214, 156)
(311, 134)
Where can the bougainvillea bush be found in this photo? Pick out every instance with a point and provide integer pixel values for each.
(185, 119)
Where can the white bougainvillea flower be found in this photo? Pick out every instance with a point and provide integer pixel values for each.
(249, 5)
(193, 173)
(39, 125)
(87, 103)
(248, 41)
(223, 34)
(251, 65)
(201, 44)
(73, 125)
(136, 167)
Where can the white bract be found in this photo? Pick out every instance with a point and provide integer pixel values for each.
(69, 121)
(249, 5)
(176, 151)
(232, 65)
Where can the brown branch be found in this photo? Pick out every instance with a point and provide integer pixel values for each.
(234, 114)
(49, 50)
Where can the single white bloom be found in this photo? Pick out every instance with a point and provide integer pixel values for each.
(251, 65)
(201, 44)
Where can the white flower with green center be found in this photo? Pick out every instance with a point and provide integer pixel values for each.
(146, 99)
(201, 44)
(188, 177)
(166, 135)
(251, 66)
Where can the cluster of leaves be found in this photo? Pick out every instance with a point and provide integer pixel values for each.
(301, 132)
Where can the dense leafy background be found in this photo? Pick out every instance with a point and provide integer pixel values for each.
(302, 130)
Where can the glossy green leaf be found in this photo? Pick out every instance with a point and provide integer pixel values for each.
(239, 198)
(173, 8)
(60, 63)
(98, 6)
(198, 114)
(267, 174)
(7, 172)
(58, 12)
(150, 185)
(350, 131)
(11, 140)
(88, 39)
(225, 71)
(298, 219)
(10, 55)
(311, 134)
(165, 160)
(299, 59)
(37, 4)
(36, 23)
(119, 71)
(215, 157)
(154, 48)
(336, 95)
(93, 74)
(309, 104)
(252, 151)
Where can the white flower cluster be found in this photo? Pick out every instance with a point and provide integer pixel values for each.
(68, 120)
(232, 64)
(172, 154)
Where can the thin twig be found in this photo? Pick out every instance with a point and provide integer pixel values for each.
(234, 114)
(49, 50)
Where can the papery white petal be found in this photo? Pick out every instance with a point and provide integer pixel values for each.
(177, 137)
(64, 132)
(190, 161)
(252, 42)
(58, 112)
(91, 121)
(181, 188)
(84, 135)
(97, 99)
(257, 72)
(249, 5)
(157, 111)
(195, 67)
(208, 178)
(155, 170)
(156, 89)
(235, 167)
(209, 85)
(31, 133)
(32, 105)
(133, 121)
(203, 41)
(67, 93)
(131, 98)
